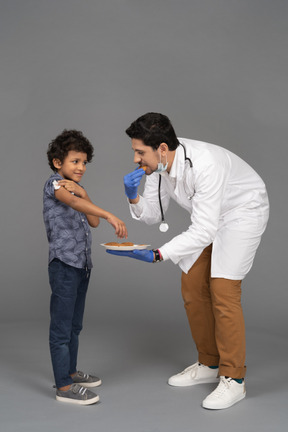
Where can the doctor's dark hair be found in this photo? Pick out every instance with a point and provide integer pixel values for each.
(66, 141)
(154, 129)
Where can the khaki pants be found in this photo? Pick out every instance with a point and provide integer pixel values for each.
(214, 311)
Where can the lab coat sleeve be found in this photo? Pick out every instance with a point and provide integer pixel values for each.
(148, 209)
(210, 185)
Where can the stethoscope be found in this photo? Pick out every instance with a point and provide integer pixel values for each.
(163, 227)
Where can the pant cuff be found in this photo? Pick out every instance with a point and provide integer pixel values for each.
(232, 372)
(64, 383)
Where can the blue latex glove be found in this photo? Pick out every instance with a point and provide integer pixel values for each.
(132, 182)
(142, 255)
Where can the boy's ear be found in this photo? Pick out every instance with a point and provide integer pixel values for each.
(57, 163)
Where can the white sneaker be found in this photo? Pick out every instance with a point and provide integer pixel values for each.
(195, 374)
(225, 395)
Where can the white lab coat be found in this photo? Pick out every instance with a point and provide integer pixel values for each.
(227, 201)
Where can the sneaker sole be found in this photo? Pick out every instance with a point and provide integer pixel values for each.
(228, 405)
(87, 385)
(191, 383)
(78, 401)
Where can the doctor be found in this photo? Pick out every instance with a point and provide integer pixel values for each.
(229, 209)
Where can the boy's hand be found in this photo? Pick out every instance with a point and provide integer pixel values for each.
(119, 225)
(73, 187)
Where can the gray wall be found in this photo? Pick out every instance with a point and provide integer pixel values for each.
(217, 68)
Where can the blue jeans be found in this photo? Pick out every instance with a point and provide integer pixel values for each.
(69, 287)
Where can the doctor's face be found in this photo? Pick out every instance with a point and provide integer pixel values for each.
(146, 155)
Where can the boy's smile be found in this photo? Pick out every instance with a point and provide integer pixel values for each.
(73, 167)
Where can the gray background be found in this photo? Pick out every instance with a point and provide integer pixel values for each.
(218, 69)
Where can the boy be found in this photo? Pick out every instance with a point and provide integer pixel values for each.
(68, 212)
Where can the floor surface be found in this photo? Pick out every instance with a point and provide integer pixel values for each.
(134, 363)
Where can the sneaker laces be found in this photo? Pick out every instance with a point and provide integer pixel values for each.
(82, 375)
(76, 388)
(193, 369)
(223, 385)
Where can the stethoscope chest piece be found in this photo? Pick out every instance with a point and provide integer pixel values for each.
(163, 227)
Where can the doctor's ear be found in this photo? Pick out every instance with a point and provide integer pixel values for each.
(163, 147)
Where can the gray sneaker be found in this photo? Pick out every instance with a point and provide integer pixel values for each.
(86, 380)
(78, 395)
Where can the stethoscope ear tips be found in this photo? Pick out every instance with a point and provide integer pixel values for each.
(163, 227)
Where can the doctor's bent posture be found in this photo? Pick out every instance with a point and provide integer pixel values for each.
(229, 209)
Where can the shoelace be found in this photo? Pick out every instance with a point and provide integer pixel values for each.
(193, 369)
(78, 389)
(82, 375)
(223, 385)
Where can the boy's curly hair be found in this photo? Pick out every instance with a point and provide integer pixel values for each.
(66, 141)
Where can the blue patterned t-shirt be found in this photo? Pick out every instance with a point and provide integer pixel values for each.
(68, 231)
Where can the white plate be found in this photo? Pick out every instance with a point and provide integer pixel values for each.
(125, 248)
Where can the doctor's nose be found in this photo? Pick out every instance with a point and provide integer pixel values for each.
(137, 159)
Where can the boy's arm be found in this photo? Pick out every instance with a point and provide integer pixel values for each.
(86, 206)
(92, 220)
(73, 187)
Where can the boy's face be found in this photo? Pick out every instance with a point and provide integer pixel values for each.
(73, 167)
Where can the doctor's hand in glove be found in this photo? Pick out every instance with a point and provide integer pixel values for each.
(142, 255)
(132, 182)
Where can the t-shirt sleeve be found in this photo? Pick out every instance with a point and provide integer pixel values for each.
(50, 186)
